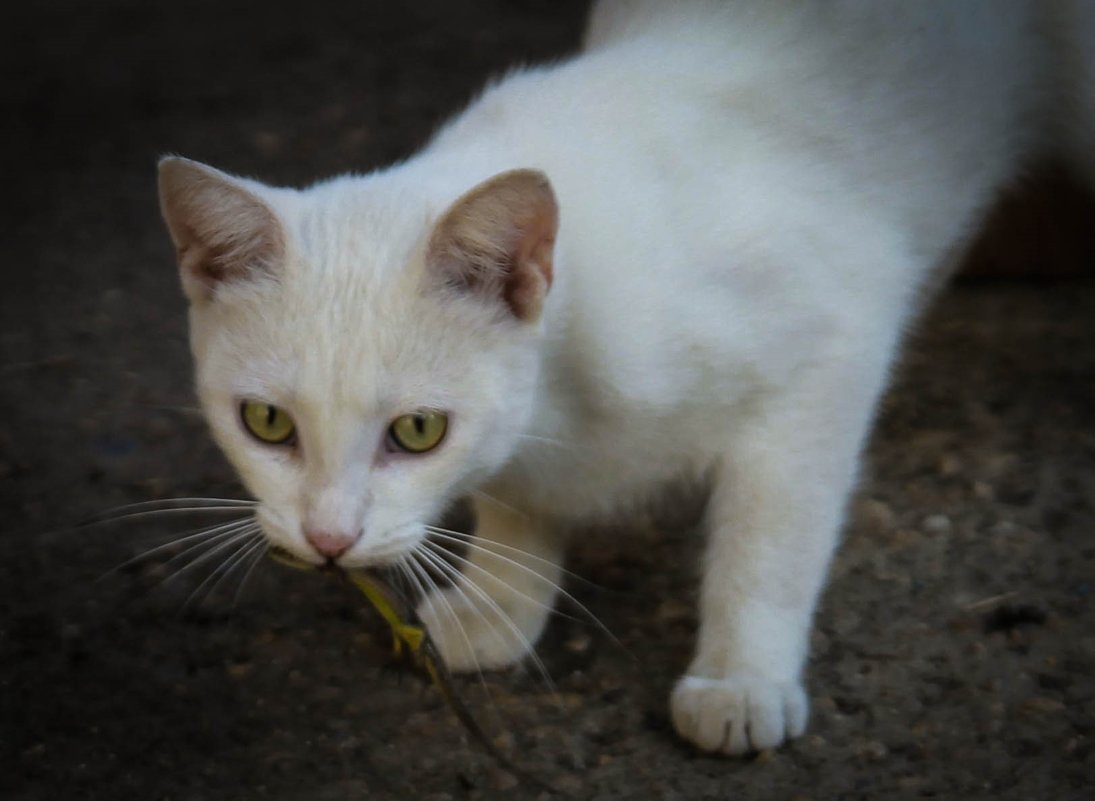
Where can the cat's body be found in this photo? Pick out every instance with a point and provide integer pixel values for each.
(747, 203)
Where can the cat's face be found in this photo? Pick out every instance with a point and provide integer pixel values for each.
(362, 362)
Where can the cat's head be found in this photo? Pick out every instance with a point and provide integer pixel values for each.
(363, 358)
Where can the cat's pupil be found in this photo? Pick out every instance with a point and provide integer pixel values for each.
(420, 424)
(271, 413)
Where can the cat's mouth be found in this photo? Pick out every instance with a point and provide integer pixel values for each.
(283, 555)
(377, 577)
(378, 559)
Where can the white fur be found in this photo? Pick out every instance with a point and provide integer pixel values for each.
(753, 199)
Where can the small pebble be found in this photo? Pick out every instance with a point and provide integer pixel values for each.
(983, 491)
(936, 524)
(873, 750)
(579, 644)
(877, 515)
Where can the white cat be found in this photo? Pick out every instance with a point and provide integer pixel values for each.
(691, 250)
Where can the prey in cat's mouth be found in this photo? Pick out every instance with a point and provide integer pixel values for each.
(285, 557)
(412, 643)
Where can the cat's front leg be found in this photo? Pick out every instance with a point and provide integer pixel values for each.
(498, 605)
(776, 509)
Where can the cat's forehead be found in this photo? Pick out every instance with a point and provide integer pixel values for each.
(365, 225)
(348, 336)
(353, 268)
(359, 349)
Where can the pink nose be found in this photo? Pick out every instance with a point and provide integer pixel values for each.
(331, 544)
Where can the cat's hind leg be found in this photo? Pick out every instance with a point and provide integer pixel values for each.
(773, 520)
(498, 602)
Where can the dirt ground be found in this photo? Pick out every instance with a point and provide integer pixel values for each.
(955, 648)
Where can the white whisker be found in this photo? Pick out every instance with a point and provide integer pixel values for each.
(439, 594)
(491, 499)
(548, 440)
(237, 561)
(259, 550)
(412, 589)
(469, 540)
(459, 579)
(197, 502)
(442, 553)
(225, 568)
(165, 512)
(241, 544)
(558, 588)
(227, 532)
(210, 553)
(167, 503)
(409, 592)
(204, 534)
(454, 576)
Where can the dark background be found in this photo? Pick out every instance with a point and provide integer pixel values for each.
(955, 647)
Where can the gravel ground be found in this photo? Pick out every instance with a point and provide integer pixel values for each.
(955, 648)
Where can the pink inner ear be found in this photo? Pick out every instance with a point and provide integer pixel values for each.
(498, 241)
(222, 232)
(531, 276)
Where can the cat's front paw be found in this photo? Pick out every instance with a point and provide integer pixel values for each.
(738, 714)
(474, 635)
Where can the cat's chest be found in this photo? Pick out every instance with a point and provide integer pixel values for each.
(601, 464)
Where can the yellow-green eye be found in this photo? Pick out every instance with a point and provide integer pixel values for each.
(419, 432)
(267, 423)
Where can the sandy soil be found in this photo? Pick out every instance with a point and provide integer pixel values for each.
(955, 648)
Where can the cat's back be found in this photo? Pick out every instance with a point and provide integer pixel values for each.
(810, 27)
(833, 60)
(911, 113)
(877, 85)
(706, 154)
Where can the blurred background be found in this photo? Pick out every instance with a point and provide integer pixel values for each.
(955, 648)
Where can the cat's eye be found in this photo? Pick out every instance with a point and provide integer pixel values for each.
(419, 432)
(267, 423)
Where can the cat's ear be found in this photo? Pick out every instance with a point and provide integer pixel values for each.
(223, 232)
(498, 240)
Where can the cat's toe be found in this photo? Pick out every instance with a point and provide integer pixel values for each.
(476, 636)
(738, 714)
